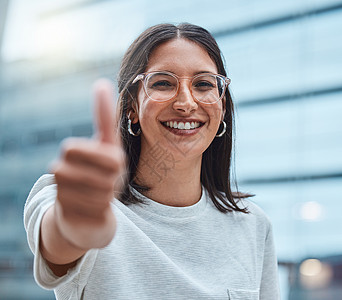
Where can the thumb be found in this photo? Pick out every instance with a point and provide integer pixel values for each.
(104, 116)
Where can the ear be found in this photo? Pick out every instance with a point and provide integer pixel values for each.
(133, 114)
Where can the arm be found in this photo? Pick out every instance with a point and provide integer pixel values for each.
(269, 287)
(61, 254)
(88, 175)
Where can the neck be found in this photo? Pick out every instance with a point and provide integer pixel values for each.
(174, 183)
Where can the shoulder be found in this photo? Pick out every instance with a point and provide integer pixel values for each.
(256, 216)
(255, 212)
(255, 221)
(43, 182)
(43, 193)
(254, 209)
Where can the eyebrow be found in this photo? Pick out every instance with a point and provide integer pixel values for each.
(194, 74)
(204, 72)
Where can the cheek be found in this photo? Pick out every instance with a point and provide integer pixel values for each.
(142, 101)
(140, 97)
(216, 111)
(149, 111)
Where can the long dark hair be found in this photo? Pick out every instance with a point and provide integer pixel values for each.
(216, 160)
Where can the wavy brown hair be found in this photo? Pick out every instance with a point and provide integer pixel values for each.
(216, 160)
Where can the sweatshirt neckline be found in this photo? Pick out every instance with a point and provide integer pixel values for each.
(157, 208)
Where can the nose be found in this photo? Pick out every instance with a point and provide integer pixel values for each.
(184, 101)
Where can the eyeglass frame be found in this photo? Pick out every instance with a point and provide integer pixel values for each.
(143, 76)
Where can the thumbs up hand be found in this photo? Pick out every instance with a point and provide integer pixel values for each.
(89, 174)
(104, 117)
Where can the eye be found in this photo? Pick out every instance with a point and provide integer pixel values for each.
(203, 85)
(161, 84)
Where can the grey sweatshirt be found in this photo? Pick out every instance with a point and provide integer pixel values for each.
(164, 252)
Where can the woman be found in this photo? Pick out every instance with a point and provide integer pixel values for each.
(177, 231)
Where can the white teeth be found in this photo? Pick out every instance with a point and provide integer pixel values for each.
(182, 125)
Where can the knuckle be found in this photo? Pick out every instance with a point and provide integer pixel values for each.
(71, 146)
(67, 144)
(69, 152)
(58, 172)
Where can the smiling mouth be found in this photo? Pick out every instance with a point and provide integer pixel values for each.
(182, 125)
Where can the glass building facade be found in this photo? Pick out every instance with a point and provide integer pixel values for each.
(285, 61)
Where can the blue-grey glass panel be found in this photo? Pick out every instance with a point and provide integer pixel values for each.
(290, 138)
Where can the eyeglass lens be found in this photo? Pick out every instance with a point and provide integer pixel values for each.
(206, 88)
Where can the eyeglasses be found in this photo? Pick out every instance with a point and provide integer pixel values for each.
(163, 86)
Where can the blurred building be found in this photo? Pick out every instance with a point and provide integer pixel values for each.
(284, 60)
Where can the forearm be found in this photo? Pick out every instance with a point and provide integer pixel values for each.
(63, 241)
(54, 247)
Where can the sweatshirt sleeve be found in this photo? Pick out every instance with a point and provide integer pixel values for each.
(41, 197)
(269, 287)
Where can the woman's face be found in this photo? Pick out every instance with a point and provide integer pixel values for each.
(184, 59)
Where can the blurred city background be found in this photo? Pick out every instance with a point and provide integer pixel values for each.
(285, 62)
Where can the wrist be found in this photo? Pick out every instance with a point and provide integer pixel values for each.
(85, 233)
